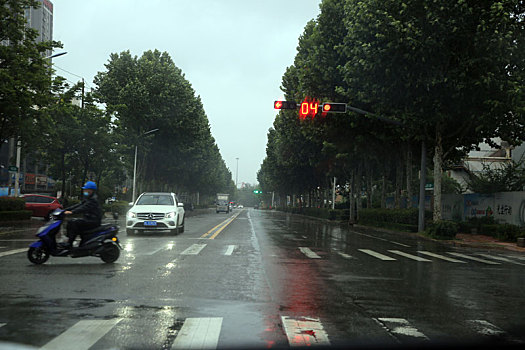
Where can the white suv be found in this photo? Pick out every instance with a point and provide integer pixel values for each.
(156, 211)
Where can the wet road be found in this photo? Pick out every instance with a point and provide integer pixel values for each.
(261, 279)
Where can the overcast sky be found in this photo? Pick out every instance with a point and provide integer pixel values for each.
(233, 52)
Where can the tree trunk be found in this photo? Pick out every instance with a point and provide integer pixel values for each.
(399, 182)
(438, 170)
(351, 219)
(359, 187)
(369, 186)
(63, 173)
(409, 175)
(383, 190)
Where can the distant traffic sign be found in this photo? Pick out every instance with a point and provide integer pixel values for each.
(12, 168)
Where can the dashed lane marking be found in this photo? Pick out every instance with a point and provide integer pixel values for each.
(344, 255)
(14, 251)
(304, 331)
(306, 251)
(377, 255)
(410, 256)
(199, 333)
(193, 249)
(474, 258)
(230, 250)
(400, 326)
(82, 335)
(500, 258)
(381, 239)
(442, 257)
(485, 328)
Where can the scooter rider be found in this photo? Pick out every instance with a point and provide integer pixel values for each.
(91, 210)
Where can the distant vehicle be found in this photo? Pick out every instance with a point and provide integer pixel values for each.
(222, 202)
(41, 205)
(256, 206)
(156, 211)
(240, 206)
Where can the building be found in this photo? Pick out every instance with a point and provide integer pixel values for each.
(41, 19)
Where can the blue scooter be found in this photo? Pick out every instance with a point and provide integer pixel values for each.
(101, 242)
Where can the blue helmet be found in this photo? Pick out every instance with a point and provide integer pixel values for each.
(90, 185)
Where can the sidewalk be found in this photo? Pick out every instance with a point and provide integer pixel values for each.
(482, 241)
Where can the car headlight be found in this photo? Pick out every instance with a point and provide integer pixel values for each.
(132, 215)
(170, 215)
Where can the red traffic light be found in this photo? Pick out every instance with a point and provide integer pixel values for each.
(334, 107)
(285, 105)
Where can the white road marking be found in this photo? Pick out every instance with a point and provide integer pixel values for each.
(442, 257)
(410, 256)
(14, 251)
(376, 255)
(305, 331)
(500, 258)
(344, 255)
(306, 251)
(485, 328)
(154, 251)
(193, 249)
(2, 324)
(199, 333)
(230, 250)
(381, 239)
(401, 326)
(474, 258)
(82, 335)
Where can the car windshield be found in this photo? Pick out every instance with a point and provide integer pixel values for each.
(150, 199)
(377, 148)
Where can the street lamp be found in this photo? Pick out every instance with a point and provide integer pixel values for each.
(237, 173)
(135, 166)
(19, 143)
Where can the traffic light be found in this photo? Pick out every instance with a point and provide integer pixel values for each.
(285, 105)
(257, 191)
(334, 107)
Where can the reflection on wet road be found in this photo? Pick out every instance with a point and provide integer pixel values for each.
(266, 279)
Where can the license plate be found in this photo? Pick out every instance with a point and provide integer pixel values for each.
(150, 223)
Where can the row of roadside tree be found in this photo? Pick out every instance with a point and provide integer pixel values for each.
(96, 137)
(449, 75)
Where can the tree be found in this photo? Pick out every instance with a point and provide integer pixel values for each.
(25, 75)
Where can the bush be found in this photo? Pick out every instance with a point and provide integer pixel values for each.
(391, 216)
(442, 229)
(120, 207)
(13, 215)
(508, 232)
(12, 203)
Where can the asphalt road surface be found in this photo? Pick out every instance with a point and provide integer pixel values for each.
(261, 279)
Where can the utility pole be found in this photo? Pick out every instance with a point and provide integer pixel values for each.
(333, 194)
(83, 94)
(17, 178)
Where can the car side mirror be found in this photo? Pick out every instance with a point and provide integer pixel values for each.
(130, 204)
(180, 205)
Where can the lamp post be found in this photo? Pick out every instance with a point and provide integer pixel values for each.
(19, 143)
(135, 166)
(237, 173)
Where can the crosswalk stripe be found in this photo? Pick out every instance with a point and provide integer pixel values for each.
(376, 255)
(485, 328)
(344, 255)
(500, 258)
(410, 256)
(82, 335)
(194, 249)
(401, 326)
(199, 333)
(14, 251)
(442, 257)
(304, 331)
(474, 258)
(309, 253)
(230, 250)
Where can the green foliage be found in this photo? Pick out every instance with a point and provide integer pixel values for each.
(12, 204)
(25, 75)
(442, 229)
(507, 178)
(397, 216)
(120, 207)
(13, 215)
